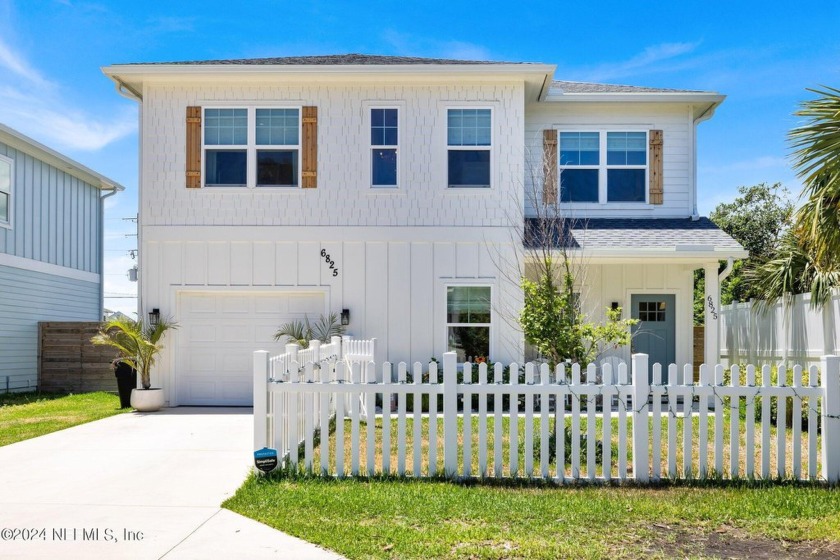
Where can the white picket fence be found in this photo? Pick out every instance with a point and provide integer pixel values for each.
(641, 431)
(281, 419)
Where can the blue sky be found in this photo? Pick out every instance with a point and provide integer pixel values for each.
(762, 55)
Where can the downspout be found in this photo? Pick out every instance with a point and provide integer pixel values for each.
(730, 262)
(115, 190)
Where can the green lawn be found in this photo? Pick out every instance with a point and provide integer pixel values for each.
(402, 518)
(28, 415)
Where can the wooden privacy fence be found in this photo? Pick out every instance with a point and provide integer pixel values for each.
(69, 362)
(561, 425)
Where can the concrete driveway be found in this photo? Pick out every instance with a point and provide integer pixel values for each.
(137, 486)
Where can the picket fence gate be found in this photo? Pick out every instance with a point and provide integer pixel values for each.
(663, 429)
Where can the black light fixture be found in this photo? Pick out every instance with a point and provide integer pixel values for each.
(614, 305)
(154, 317)
(345, 317)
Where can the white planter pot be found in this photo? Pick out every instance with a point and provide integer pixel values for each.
(147, 400)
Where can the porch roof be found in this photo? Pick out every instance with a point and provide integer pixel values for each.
(629, 237)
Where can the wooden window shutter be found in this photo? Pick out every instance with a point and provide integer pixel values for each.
(193, 147)
(549, 166)
(655, 167)
(309, 147)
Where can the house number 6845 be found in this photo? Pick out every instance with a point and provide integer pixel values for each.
(329, 261)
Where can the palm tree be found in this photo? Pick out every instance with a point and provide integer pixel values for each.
(138, 343)
(301, 332)
(816, 159)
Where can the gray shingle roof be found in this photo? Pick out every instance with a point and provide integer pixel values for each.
(352, 59)
(642, 233)
(586, 87)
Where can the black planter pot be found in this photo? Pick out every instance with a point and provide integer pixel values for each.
(126, 381)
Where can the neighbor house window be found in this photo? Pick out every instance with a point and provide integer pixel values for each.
(5, 190)
(384, 142)
(603, 166)
(468, 321)
(469, 139)
(268, 137)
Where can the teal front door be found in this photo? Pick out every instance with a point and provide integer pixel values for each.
(655, 334)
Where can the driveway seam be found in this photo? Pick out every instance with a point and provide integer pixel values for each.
(179, 543)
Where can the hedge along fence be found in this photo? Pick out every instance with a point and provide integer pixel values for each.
(563, 425)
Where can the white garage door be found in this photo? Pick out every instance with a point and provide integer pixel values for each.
(218, 334)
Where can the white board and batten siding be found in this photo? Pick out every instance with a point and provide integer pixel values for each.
(395, 291)
(676, 122)
(49, 261)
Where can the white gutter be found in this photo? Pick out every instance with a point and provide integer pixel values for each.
(704, 116)
(116, 189)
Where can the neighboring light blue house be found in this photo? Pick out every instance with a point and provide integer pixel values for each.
(51, 256)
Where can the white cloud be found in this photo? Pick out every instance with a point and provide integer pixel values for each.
(35, 106)
(406, 44)
(649, 61)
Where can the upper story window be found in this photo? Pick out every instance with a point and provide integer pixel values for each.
(252, 147)
(469, 140)
(384, 144)
(587, 176)
(5, 190)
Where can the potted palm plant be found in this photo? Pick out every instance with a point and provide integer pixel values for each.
(138, 344)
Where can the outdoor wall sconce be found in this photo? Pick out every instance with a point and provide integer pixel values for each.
(154, 317)
(614, 305)
(345, 317)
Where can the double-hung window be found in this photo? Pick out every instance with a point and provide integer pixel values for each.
(5, 191)
(278, 146)
(469, 141)
(603, 166)
(226, 147)
(251, 147)
(384, 144)
(468, 321)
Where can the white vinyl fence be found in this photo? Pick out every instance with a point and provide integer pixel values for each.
(285, 420)
(788, 332)
(621, 427)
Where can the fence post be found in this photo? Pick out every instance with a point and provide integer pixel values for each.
(641, 392)
(316, 350)
(830, 418)
(261, 373)
(450, 414)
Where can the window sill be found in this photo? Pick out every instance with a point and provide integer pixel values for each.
(608, 206)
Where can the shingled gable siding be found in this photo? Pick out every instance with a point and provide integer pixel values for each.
(343, 196)
(672, 119)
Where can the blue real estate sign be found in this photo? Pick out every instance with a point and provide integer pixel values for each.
(265, 459)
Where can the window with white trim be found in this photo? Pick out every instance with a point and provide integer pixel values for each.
(469, 142)
(384, 146)
(587, 176)
(468, 321)
(5, 190)
(252, 147)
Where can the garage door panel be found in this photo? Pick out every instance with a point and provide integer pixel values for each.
(220, 332)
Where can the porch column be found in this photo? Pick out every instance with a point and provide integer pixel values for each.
(711, 303)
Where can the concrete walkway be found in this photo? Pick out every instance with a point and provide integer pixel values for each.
(137, 486)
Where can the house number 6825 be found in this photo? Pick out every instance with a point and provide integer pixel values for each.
(329, 261)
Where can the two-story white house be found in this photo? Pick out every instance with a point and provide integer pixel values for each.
(398, 189)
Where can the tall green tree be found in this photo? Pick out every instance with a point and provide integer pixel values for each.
(757, 219)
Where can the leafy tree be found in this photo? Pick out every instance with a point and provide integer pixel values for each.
(757, 219)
